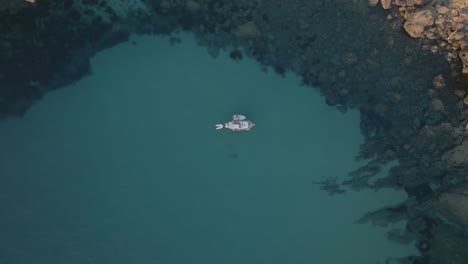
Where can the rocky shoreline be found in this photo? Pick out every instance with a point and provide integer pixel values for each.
(413, 103)
(441, 24)
(444, 21)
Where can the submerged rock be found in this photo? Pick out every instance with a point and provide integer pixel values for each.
(464, 58)
(458, 156)
(248, 30)
(439, 81)
(454, 205)
(447, 246)
(437, 105)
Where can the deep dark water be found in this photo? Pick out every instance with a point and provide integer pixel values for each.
(346, 49)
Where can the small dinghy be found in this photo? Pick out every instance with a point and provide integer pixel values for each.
(238, 123)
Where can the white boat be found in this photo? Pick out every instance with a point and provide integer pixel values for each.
(238, 123)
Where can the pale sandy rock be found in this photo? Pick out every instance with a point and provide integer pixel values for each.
(463, 55)
(248, 30)
(459, 19)
(418, 21)
(386, 4)
(460, 4)
(443, 9)
(459, 26)
(458, 35)
(400, 2)
(464, 42)
(440, 20)
(414, 2)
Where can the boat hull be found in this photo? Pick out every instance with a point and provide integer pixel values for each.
(239, 125)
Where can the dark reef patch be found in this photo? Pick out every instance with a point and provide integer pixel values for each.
(236, 55)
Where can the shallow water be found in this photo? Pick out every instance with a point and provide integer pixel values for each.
(126, 166)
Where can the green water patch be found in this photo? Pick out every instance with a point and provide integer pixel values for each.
(126, 166)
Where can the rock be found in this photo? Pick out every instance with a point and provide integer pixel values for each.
(418, 21)
(447, 246)
(459, 4)
(420, 2)
(457, 156)
(439, 81)
(248, 30)
(443, 10)
(463, 55)
(459, 26)
(454, 204)
(437, 105)
(386, 4)
(460, 93)
(400, 2)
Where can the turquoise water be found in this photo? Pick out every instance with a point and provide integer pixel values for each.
(126, 166)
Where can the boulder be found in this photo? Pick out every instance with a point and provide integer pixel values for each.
(417, 22)
(386, 4)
